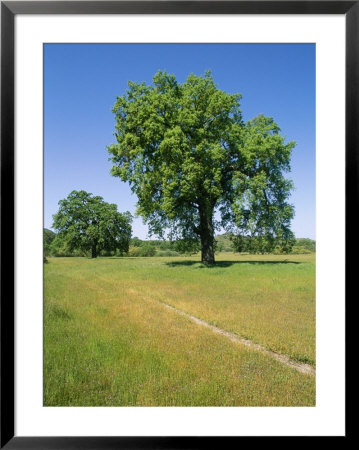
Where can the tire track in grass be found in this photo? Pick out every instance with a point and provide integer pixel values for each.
(306, 369)
(284, 359)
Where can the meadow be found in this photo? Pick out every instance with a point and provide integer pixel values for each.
(110, 340)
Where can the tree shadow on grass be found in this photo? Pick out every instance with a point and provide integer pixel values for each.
(225, 263)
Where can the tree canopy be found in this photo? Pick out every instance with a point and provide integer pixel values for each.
(196, 166)
(87, 223)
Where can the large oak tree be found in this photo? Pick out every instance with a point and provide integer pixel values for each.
(195, 166)
(88, 223)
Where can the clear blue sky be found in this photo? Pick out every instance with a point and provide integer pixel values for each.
(81, 82)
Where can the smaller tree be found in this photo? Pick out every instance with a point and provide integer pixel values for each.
(48, 237)
(87, 223)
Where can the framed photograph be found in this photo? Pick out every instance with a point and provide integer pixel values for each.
(175, 182)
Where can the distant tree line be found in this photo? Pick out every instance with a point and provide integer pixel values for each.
(304, 245)
(262, 244)
(55, 245)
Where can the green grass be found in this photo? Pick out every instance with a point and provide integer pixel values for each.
(109, 341)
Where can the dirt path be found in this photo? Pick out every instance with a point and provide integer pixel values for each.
(300, 367)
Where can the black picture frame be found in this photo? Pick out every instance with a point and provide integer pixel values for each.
(9, 9)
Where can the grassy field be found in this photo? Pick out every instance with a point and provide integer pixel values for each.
(110, 341)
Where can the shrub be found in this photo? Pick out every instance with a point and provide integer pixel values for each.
(300, 250)
(146, 249)
(167, 253)
(134, 251)
(309, 244)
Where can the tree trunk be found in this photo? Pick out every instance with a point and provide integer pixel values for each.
(207, 235)
(94, 251)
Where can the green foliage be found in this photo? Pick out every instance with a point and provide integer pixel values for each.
(134, 251)
(136, 242)
(187, 246)
(187, 154)
(87, 223)
(261, 245)
(146, 249)
(60, 248)
(167, 253)
(301, 250)
(306, 243)
(224, 243)
(48, 237)
(164, 247)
